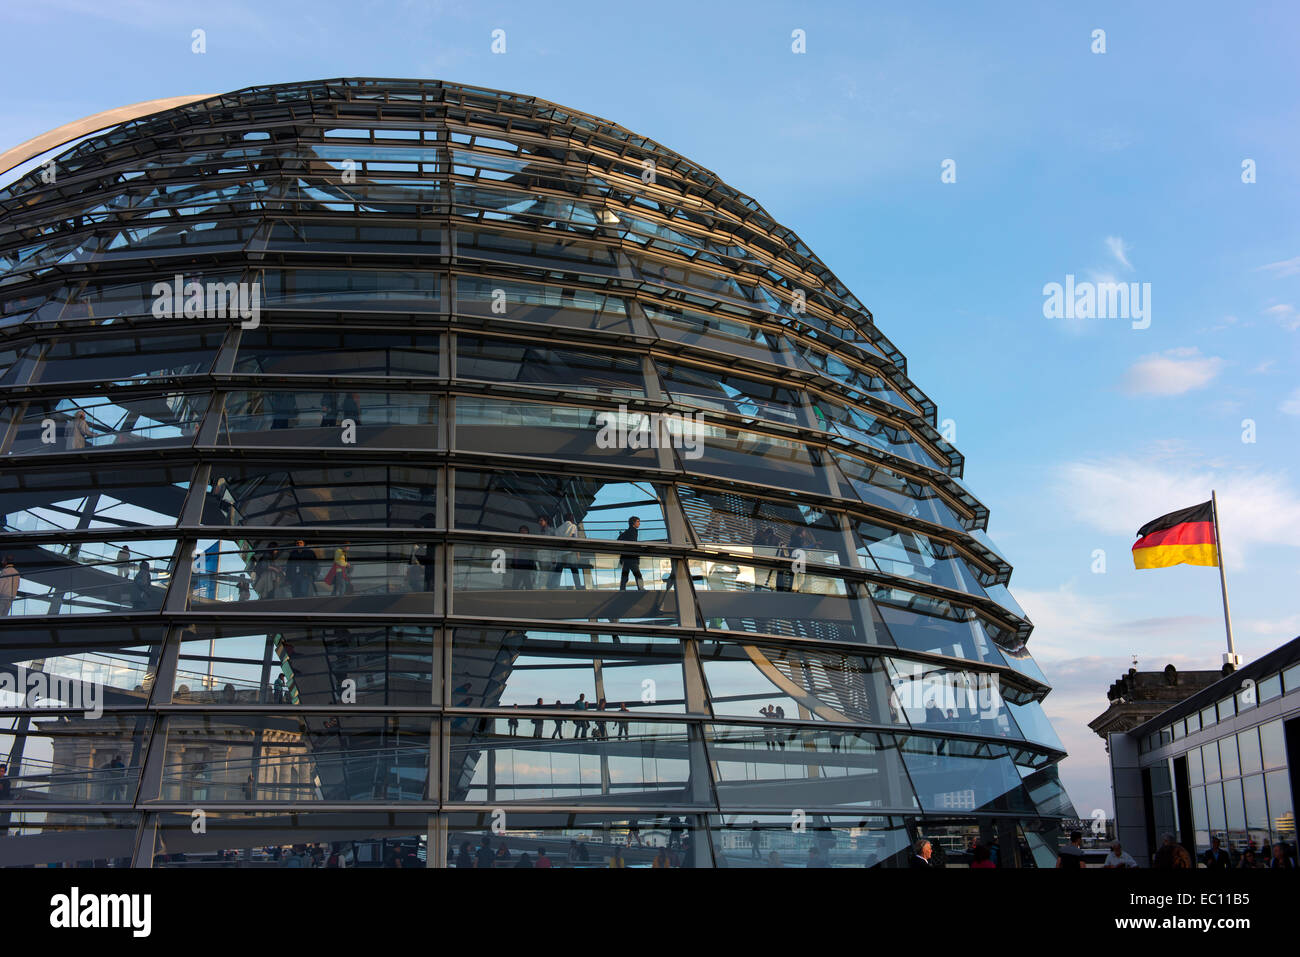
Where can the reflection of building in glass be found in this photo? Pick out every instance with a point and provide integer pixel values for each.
(532, 485)
(89, 762)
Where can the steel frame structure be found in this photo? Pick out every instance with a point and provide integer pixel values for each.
(384, 222)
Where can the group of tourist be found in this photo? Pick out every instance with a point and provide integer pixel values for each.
(528, 567)
(676, 853)
(1173, 856)
(597, 728)
(295, 574)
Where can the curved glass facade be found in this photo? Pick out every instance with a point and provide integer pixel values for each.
(396, 469)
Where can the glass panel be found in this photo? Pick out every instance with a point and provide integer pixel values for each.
(1291, 679)
(86, 578)
(70, 839)
(571, 306)
(356, 238)
(103, 301)
(554, 670)
(38, 500)
(1048, 793)
(1256, 804)
(771, 600)
(532, 209)
(756, 458)
(877, 485)
(1251, 757)
(941, 700)
(84, 668)
(1200, 819)
(1193, 723)
(539, 839)
(121, 359)
(767, 840)
(91, 757)
(722, 392)
(858, 380)
(1195, 769)
(861, 426)
(509, 502)
(334, 576)
(897, 551)
(1236, 810)
(806, 683)
(298, 840)
(618, 760)
(1218, 818)
(286, 351)
(533, 363)
(765, 529)
(1273, 745)
(9, 373)
(697, 280)
(296, 758)
(1208, 717)
(1270, 687)
(1161, 778)
(367, 290)
(1228, 762)
(1281, 813)
(795, 766)
(359, 495)
(1162, 812)
(715, 334)
(1000, 594)
(104, 421)
(509, 580)
(305, 665)
(330, 419)
(923, 623)
(1033, 724)
(1226, 708)
(1021, 661)
(548, 431)
(1211, 754)
(953, 776)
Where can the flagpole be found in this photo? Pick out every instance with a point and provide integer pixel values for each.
(1231, 657)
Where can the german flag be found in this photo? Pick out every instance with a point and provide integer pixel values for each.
(1185, 537)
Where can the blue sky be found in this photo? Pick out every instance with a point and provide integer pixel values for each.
(1123, 164)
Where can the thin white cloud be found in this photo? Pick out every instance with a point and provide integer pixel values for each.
(1291, 404)
(1119, 249)
(1118, 495)
(1286, 267)
(1274, 627)
(1066, 621)
(1173, 372)
(1286, 314)
(1061, 619)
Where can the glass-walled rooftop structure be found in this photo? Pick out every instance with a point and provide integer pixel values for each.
(392, 470)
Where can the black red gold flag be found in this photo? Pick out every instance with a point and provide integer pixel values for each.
(1185, 537)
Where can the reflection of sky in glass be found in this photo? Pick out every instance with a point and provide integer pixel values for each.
(563, 770)
(616, 502)
(110, 512)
